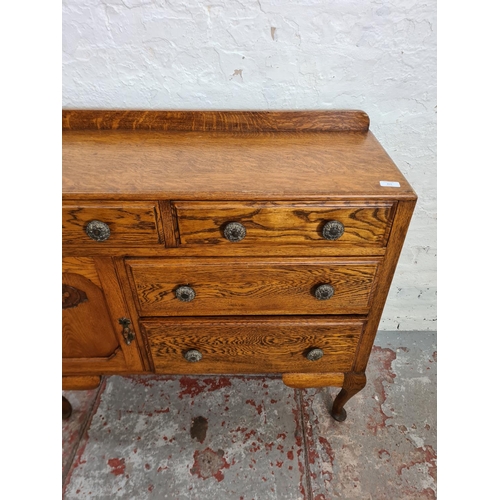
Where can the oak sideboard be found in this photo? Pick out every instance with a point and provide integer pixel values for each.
(200, 242)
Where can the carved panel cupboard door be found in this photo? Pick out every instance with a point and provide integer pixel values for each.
(97, 338)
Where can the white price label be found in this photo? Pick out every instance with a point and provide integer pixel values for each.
(390, 184)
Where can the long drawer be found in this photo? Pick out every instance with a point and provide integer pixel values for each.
(220, 286)
(252, 345)
(364, 224)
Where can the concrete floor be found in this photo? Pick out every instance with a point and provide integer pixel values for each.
(251, 437)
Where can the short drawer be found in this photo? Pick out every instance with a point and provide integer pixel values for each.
(252, 345)
(340, 224)
(131, 224)
(218, 286)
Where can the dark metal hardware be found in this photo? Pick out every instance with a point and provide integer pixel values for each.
(97, 230)
(127, 332)
(314, 354)
(193, 355)
(185, 293)
(324, 292)
(234, 231)
(333, 230)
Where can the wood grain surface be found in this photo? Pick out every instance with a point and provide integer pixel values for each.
(308, 380)
(84, 266)
(78, 383)
(248, 345)
(133, 315)
(118, 309)
(263, 249)
(141, 165)
(87, 328)
(400, 228)
(216, 121)
(365, 224)
(131, 224)
(251, 286)
(167, 182)
(92, 341)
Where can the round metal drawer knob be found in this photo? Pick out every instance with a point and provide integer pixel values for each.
(97, 230)
(333, 230)
(314, 354)
(324, 292)
(193, 355)
(185, 293)
(234, 231)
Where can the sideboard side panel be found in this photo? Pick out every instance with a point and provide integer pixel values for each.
(399, 229)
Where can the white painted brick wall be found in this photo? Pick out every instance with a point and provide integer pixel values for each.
(378, 56)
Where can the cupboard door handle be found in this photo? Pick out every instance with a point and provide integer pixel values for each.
(193, 355)
(127, 332)
(97, 230)
(185, 293)
(324, 292)
(314, 354)
(234, 231)
(333, 230)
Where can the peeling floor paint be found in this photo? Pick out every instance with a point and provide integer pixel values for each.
(72, 428)
(386, 447)
(251, 437)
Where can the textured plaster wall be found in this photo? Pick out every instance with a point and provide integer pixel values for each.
(378, 56)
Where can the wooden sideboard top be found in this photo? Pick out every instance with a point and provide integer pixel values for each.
(203, 155)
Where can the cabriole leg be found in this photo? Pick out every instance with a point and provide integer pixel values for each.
(353, 383)
(66, 408)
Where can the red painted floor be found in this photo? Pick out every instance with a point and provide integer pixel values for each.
(251, 437)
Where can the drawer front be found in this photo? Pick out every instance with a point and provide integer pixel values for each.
(132, 224)
(252, 286)
(278, 223)
(250, 345)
